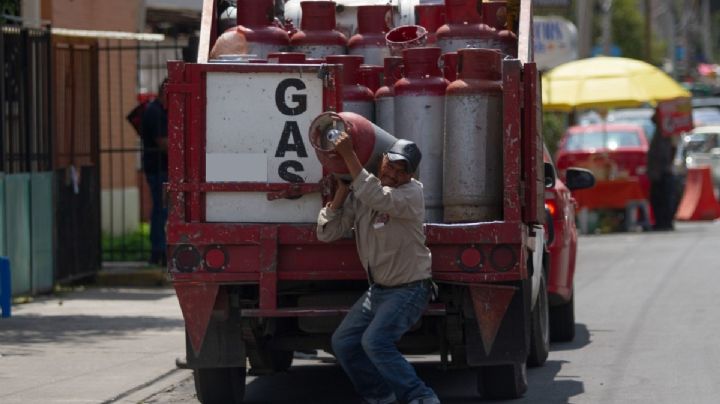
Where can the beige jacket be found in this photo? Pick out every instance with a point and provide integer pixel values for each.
(388, 225)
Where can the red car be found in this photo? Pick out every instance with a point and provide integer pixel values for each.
(561, 242)
(617, 156)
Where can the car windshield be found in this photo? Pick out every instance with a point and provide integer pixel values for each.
(602, 140)
(706, 116)
(700, 142)
(636, 117)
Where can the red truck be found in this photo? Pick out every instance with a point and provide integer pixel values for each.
(254, 283)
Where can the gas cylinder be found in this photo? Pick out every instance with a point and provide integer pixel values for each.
(473, 167)
(449, 66)
(432, 17)
(369, 42)
(464, 27)
(495, 15)
(317, 36)
(405, 37)
(369, 141)
(254, 19)
(356, 97)
(370, 76)
(384, 96)
(286, 57)
(419, 112)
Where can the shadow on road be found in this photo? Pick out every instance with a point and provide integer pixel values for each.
(109, 294)
(582, 339)
(304, 384)
(33, 329)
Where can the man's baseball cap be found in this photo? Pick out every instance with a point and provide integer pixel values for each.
(405, 150)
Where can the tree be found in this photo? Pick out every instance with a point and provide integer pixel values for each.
(628, 31)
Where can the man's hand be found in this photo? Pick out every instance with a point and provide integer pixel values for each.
(341, 193)
(344, 147)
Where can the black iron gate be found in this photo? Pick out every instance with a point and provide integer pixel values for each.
(25, 94)
(126, 197)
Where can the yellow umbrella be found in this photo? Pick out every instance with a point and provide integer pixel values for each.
(607, 82)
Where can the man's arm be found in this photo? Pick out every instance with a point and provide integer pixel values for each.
(337, 218)
(396, 203)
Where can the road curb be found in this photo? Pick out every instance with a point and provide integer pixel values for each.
(131, 274)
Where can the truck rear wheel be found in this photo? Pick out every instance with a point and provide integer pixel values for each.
(220, 385)
(540, 329)
(562, 321)
(502, 382)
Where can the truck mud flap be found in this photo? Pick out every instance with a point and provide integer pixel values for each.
(499, 331)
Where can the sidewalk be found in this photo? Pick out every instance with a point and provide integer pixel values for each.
(97, 344)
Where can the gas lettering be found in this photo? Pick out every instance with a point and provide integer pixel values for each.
(291, 139)
(300, 100)
(291, 130)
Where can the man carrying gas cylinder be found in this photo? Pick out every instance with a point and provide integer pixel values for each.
(387, 214)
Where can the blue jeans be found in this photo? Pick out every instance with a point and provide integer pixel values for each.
(158, 215)
(364, 344)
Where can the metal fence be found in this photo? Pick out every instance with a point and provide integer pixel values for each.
(25, 94)
(26, 187)
(126, 200)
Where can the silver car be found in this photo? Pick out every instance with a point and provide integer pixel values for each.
(701, 147)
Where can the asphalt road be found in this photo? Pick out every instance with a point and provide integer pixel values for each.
(648, 331)
(648, 326)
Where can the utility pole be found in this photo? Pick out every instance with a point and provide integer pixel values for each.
(648, 31)
(30, 13)
(607, 26)
(584, 10)
(706, 31)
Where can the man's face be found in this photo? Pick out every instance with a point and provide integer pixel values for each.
(393, 173)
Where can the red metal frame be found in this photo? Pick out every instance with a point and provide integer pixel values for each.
(265, 254)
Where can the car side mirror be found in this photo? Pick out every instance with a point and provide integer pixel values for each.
(579, 178)
(549, 175)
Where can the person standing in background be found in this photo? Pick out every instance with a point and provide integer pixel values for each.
(155, 166)
(660, 172)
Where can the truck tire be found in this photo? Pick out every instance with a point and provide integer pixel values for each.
(562, 321)
(503, 382)
(540, 329)
(220, 385)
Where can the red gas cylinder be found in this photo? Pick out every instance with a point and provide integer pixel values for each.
(384, 96)
(317, 36)
(449, 66)
(370, 76)
(464, 27)
(356, 97)
(495, 15)
(405, 37)
(286, 57)
(473, 170)
(432, 17)
(369, 141)
(369, 42)
(255, 18)
(419, 112)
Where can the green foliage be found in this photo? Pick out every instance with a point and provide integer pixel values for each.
(628, 28)
(628, 31)
(553, 127)
(9, 7)
(127, 247)
(715, 35)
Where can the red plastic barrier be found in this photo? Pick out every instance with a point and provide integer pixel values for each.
(698, 202)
